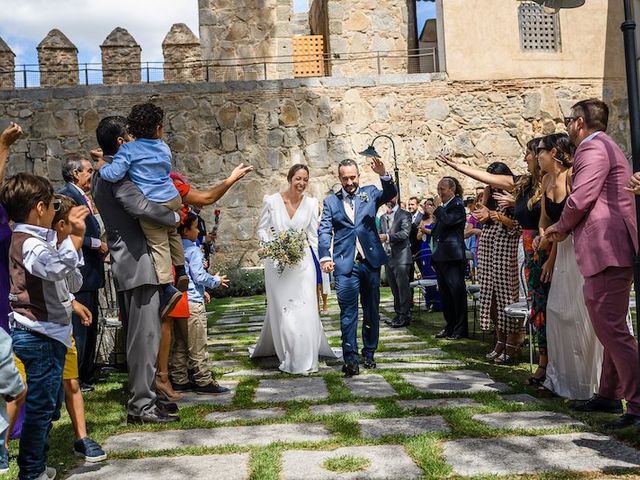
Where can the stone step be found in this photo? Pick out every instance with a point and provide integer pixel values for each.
(369, 386)
(384, 462)
(527, 420)
(420, 365)
(233, 466)
(408, 426)
(457, 381)
(343, 408)
(216, 437)
(426, 404)
(427, 352)
(246, 415)
(518, 455)
(291, 389)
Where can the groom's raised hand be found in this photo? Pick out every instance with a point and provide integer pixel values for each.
(377, 166)
(327, 266)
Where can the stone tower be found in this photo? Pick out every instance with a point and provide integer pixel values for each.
(58, 60)
(120, 58)
(7, 66)
(182, 55)
(244, 39)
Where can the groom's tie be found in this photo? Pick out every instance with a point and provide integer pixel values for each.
(350, 209)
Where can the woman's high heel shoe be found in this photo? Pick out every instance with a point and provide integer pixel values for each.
(495, 352)
(164, 390)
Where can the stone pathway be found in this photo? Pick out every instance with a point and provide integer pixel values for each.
(310, 416)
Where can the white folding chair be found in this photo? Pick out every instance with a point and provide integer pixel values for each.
(522, 311)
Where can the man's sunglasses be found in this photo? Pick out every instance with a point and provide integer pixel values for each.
(569, 120)
(57, 203)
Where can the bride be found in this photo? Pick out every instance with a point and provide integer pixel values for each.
(292, 329)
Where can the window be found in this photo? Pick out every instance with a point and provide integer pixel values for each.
(539, 31)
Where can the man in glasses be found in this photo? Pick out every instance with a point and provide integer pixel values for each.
(602, 217)
(77, 172)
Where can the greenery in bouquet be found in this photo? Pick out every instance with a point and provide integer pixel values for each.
(287, 249)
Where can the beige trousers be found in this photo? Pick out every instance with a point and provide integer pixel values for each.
(165, 244)
(189, 350)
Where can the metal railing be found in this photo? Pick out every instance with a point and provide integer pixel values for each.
(250, 68)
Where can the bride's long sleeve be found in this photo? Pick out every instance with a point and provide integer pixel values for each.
(263, 232)
(312, 227)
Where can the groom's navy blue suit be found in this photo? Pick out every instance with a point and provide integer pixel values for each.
(353, 277)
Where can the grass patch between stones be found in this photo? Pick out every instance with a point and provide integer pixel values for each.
(346, 464)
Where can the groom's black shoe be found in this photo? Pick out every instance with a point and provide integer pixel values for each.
(369, 364)
(626, 420)
(600, 404)
(350, 369)
(399, 324)
(442, 334)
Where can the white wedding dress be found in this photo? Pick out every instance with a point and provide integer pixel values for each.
(575, 353)
(292, 329)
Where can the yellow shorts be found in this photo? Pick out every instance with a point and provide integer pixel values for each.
(70, 370)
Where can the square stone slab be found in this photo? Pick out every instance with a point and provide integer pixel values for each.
(381, 427)
(385, 462)
(291, 389)
(516, 455)
(467, 381)
(404, 345)
(216, 437)
(527, 420)
(522, 399)
(229, 320)
(420, 365)
(233, 466)
(226, 364)
(343, 408)
(395, 337)
(248, 415)
(427, 352)
(370, 386)
(438, 403)
(192, 398)
(271, 372)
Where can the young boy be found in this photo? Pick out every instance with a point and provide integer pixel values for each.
(147, 161)
(190, 348)
(11, 388)
(41, 317)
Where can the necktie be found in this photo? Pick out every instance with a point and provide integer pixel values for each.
(350, 209)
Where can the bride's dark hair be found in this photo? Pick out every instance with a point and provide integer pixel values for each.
(294, 169)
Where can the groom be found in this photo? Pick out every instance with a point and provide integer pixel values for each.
(349, 219)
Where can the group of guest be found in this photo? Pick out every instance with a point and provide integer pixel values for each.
(576, 219)
(125, 207)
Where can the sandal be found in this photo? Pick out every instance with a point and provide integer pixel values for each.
(505, 358)
(495, 353)
(537, 381)
(164, 390)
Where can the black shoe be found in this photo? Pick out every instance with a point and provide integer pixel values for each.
(369, 364)
(183, 387)
(455, 337)
(169, 298)
(85, 387)
(153, 416)
(600, 404)
(442, 334)
(626, 420)
(167, 407)
(182, 280)
(212, 387)
(350, 369)
(399, 324)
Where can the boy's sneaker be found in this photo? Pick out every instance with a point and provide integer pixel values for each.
(182, 280)
(169, 298)
(210, 388)
(89, 450)
(4, 460)
(48, 474)
(183, 387)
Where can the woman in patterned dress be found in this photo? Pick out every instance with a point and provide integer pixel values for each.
(498, 270)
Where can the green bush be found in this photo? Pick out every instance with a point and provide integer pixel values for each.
(243, 282)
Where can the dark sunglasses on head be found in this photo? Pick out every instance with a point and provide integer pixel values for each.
(569, 120)
(57, 203)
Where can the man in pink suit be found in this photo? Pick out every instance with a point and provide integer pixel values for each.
(602, 216)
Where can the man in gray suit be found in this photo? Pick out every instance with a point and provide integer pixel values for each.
(396, 228)
(121, 205)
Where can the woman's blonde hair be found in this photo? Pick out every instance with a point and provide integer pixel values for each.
(533, 180)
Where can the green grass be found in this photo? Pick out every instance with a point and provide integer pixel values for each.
(346, 463)
(105, 408)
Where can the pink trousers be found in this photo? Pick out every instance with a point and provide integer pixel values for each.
(607, 297)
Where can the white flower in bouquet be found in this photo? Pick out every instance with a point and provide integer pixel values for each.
(287, 249)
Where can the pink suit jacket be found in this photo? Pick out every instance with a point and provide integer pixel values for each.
(599, 211)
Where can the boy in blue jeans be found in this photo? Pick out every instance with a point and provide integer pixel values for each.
(147, 161)
(41, 317)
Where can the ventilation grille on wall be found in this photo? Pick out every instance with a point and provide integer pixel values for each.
(539, 31)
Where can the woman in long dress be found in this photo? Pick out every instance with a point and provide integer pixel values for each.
(292, 329)
(575, 354)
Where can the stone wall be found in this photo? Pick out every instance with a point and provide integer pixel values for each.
(255, 29)
(120, 58)
(7, 66)
(212, 127)
(182, 55)
(58, 60)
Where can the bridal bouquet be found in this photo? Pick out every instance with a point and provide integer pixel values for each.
(287, 249)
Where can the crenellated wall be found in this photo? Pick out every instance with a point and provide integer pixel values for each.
(212, 127)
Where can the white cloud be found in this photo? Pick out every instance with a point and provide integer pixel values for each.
(87, 23)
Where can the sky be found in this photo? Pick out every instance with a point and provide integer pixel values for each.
(24, 23)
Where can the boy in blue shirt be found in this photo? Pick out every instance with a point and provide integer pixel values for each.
(147, 161)
(190, 348)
